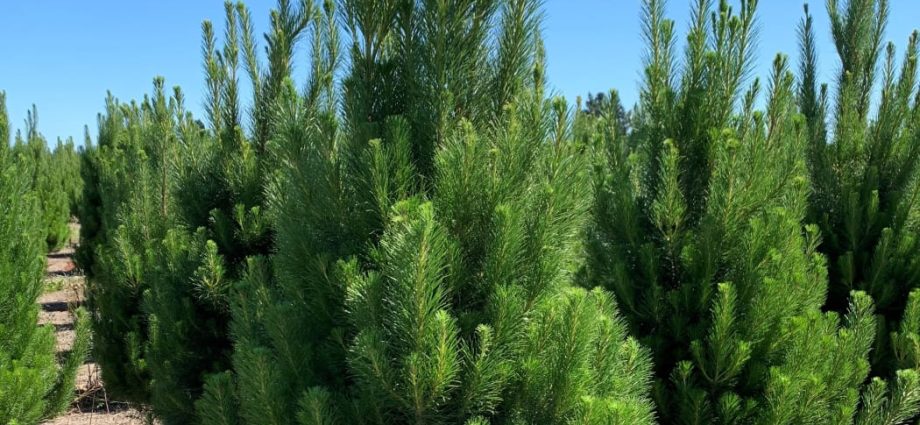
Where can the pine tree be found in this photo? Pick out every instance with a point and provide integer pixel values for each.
(864, 171)
(697, 231)
(33, 386)
(425, 248)
(219, 213)
(90, 208)
(66, 160)
(126, 214)
(168, 201)
(185, 331)
(46, 179)
(408, 247)
(606, 104)
(4, 125)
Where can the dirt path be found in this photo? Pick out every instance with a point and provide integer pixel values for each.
(64, 291)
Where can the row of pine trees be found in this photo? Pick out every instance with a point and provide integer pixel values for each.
(415, 232)
(39, 190)
(52, 174)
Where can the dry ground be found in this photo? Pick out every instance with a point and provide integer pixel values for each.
(91, 406)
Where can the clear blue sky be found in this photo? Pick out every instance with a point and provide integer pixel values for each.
(64, 55)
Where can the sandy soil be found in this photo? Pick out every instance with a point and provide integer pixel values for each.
(91, 404)
(130, 417)
(60, 264)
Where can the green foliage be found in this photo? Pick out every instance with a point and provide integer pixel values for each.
(126, 212)
(67, 159)
(4, 125)
(864, 168)
(33, 386)
(406, 240)
(436, 62)
(90, 210)
(698, 233)
(27, 364)
(425, 249)
(61, 397)
(219, 219)
(452, 316)
(179, 349)
(106, 175)
(606, 104)
(168, 202)
(905, 341)
(52, 177)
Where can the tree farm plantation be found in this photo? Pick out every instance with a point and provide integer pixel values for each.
(425, 233)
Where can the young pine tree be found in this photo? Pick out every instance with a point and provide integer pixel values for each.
(66, 158)
(697, 231)
(453, 316)
(172, 213)
(47, 179)
(185, 328)
(4, 125)
(864, 172)
(425, 256)
(33, 385)
(217, 208)
(126, 213)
